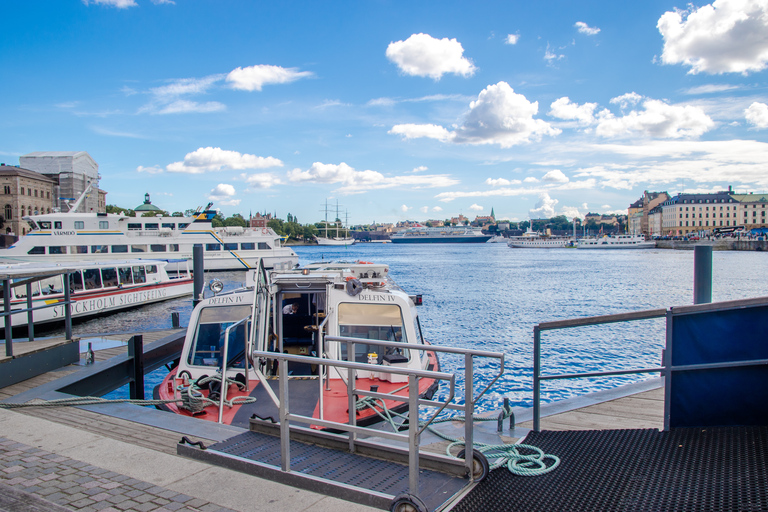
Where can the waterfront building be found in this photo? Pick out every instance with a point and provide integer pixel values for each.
(147, 208)
(25, 192)
(655, 217)
(73, 172)
(259, 220)
(639, 211)
(751, 210)
(688, 214)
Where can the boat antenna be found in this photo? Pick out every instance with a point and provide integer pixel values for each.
(75, 206)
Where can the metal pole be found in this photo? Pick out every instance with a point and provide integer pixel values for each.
(136, 353)
(8, 321)
(469, 409)
(351, 397)
(67, 307)
(285, 432)
(413, 435)
(198, 269)
(702, 274)
(536, 381)
(30, 316)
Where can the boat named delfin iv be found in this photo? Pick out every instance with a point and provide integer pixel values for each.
(445, 235)
(293, 312)
(616, 242)
(72, 237)
(95, 288)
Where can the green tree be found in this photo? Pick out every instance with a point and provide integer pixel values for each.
(218, 221)
(155, 213)
(177, 214)
(277, 226)
(235, 220)
(124, 211)
(309, 231)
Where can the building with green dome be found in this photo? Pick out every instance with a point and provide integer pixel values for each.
(146, 207)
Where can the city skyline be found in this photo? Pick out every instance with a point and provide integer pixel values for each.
(395, 111)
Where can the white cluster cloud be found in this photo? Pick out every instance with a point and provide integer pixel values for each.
(726, 36)
(545, 207)
(211, 159)
(757, 115)
(585, 29)
(224, 195)
(253, 78)
(657, 119)
(476, 207)
(627, 100)
(498, 116)
(262, 180)
(405, 208)
(563, 109)
(354, 182)
(512, 39)
(501, 182)
(120, 4)
(424, 55)
(555, 176)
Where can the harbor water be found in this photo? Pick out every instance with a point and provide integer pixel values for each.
(489, 297)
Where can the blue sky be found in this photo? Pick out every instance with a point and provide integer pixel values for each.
(395, 110)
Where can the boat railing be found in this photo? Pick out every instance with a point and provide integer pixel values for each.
(415, 427)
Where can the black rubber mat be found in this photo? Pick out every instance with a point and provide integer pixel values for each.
(687, 469)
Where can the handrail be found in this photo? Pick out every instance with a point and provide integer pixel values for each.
(225, 355)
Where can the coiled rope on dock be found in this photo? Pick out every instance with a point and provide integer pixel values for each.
(509, 455)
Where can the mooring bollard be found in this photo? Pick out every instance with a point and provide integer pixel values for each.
(136, 353)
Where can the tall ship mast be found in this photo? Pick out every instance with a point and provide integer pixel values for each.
(334, 240)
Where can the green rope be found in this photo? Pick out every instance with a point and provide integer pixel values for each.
(509, 455)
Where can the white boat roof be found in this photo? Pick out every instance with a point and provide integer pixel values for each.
(32, 269)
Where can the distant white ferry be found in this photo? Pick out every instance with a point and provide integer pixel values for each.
(616, 242)
(73, 237)
(535, 240)
(424, 235)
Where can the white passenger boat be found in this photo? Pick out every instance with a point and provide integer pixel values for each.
(535, 240)
(616, 242)
(294, 312)
(95, 288)
(72, 237)
(425, 235)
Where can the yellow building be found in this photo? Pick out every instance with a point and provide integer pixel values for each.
(751, 210)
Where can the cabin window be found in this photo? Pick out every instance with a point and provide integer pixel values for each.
(212, 247)
(169, 225)
(208, 344)
(78, 249)
(92, 278)
(103, 224)
(173, 247)
(151, 269)
(119, 248)
(52, 285)
(57, 249)
(57, 224)
(157, 248)
(153, 227)
(109, 276)
(264, 245)
(230, 247)
(37, 250)
(99, 249)
(372, 322)
(79, 224)
(138, 248)
(125, 275)
(76, 281)
(132, 226)
(139, 274)
(248, 246)
(183, 225)
(21, 291)
(45, 224)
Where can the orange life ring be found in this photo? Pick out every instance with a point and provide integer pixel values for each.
(264, 231)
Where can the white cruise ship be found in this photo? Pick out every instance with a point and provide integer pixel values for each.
(424, 235)
(72, 237)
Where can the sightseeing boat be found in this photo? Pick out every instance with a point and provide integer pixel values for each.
(616, 242)
(71, 237)
(535, 240)
(96, 288)
(294, 312)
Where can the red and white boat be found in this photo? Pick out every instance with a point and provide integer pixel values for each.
(96, 288)
(294, 312)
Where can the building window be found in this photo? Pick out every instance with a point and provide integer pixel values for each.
(8, 212)
(35, 192)
(22, 190)
(47, 195)
(7, 189)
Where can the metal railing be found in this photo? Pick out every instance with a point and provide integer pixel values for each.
(415, 429)
(581, 322)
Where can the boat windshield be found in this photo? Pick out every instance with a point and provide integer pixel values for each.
(372, 322)
(208, 345)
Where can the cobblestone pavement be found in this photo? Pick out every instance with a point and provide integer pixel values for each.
(80, 486)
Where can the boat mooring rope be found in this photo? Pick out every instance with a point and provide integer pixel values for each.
(509, 455)
(190, 398)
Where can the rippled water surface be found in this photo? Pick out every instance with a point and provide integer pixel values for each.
(489, 297)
